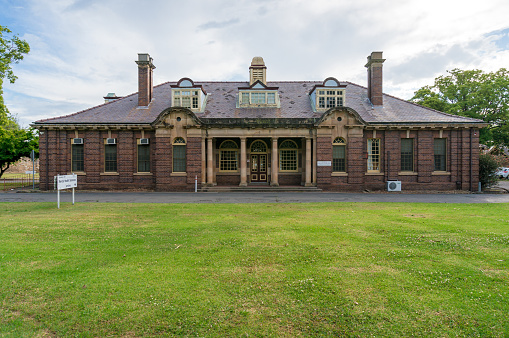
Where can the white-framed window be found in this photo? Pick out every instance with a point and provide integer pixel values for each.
(329, 98)
(374, 154)
(228, 156)
(288, 155)
(143, 157)
(186, 98)
(267, 98)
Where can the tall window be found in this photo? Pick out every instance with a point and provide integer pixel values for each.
(228, 156)
(339, 155)
(179, 155)
(440, 152)
(374, 154)
(110, 158)
(77, 160)
(288, 156)
(407, 154)
(143, 158)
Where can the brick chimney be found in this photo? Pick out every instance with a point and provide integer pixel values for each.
(145, 83)
(375, 78)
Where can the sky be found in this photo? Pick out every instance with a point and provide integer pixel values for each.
(83, 49)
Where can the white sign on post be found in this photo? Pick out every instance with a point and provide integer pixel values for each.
(66, 182)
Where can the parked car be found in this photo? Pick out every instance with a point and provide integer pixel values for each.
(502, 172)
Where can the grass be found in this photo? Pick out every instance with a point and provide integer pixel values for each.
(329, 269)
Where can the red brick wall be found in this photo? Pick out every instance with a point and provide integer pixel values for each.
(55, 158)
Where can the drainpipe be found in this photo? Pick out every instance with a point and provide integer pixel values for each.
(471, 188)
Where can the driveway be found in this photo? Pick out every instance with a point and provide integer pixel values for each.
(251, 197)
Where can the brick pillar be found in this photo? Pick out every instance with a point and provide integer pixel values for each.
(308, 162)
(162, 167)
(93, 146)
(210, 163)
(356, 160)
(425, 156)
(125, 156)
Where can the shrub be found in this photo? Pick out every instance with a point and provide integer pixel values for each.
(488, 165)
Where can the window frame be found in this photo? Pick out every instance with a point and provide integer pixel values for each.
(227, 162)
(407, 158)
(327, 98)
(337, 144)
(373, 155)
(110, 158)
(288, 156)
(77, 165)
(442, 166)
(179, 155)
(143, 162)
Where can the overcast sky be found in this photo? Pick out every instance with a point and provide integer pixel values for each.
(83, 49)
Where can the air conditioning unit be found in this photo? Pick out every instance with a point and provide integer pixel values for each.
(393, 185)
(77, 141)
(111, 141)
(144, 141)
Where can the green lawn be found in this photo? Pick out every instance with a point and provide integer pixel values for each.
(329, 269)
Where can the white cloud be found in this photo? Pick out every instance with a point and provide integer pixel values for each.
(82, 50)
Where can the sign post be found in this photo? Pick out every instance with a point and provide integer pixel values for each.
(66, 182)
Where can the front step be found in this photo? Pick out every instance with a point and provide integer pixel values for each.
(260, 188)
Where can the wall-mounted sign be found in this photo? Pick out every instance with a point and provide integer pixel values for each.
(324, 163)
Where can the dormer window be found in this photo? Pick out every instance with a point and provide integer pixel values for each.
(328, 95)
(188, 95)
(258, 98)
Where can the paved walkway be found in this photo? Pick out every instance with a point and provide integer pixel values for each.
(171, 197)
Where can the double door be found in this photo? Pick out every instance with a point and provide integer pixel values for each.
(258, 167)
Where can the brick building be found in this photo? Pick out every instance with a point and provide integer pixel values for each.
(329, 134)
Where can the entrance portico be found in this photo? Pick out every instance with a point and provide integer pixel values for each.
(259, 158)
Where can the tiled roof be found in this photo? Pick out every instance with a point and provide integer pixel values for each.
(222, 98)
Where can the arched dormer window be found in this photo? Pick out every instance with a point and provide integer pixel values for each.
(330, 94)
(228, 156)
(179, 155)
(339, 155)
(288, 152)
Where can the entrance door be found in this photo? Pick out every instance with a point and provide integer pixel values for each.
(258, 167)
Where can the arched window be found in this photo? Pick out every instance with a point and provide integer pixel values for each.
(339, 155)
(228, 157)
(258, 147)
(288, 156)
(179, 155)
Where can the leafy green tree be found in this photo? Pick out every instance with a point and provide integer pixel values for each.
(476, 94)
(14, 141)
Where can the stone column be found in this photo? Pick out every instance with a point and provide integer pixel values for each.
(203, 161)
(314, 160)
(275, 167)
(243, 163)
(308, 162)
(210, 163)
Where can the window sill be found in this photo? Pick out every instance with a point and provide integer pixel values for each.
(339, 174)
(143, 174)
(374, 174)
(228, 172)
(109, 174)
(441, 173)
(407, 173)
(178, 174)
(79, 173)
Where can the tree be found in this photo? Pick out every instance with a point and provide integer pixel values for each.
(488, 164)
(14, 141)
(472, 93)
